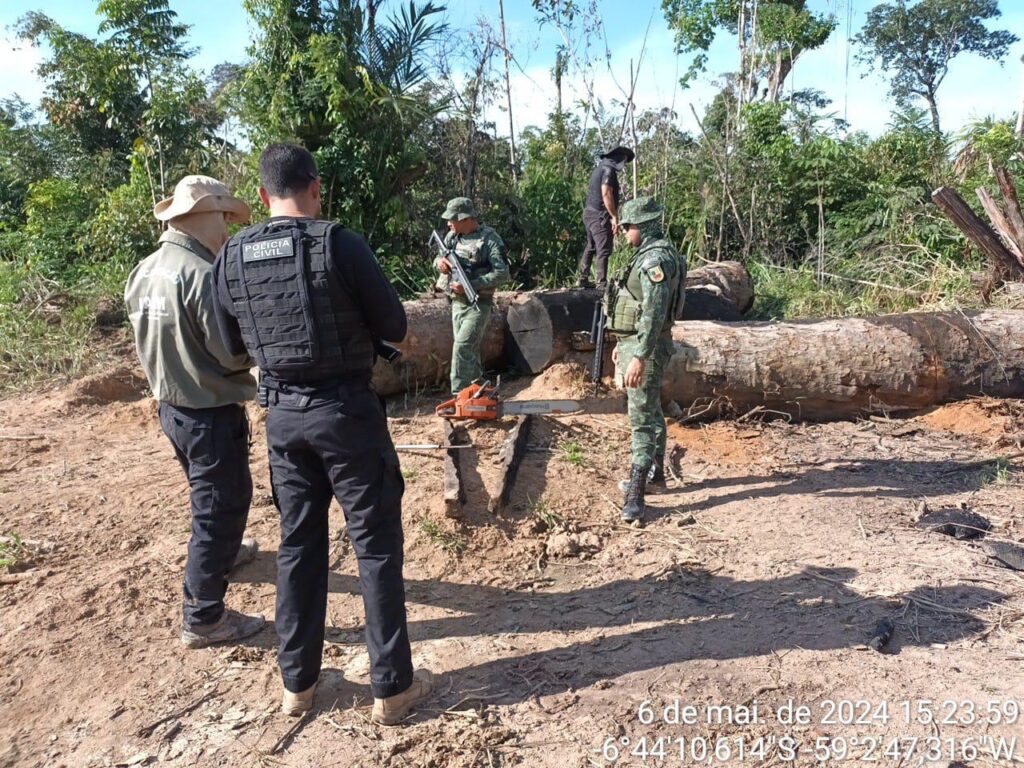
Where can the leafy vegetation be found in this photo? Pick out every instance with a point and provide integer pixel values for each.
(391, 98)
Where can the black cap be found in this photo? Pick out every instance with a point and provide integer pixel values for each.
(625, 153)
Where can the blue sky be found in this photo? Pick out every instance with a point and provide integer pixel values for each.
(221, 31)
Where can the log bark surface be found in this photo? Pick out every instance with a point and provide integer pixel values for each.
(844, 368)
(427, 348)
(541, 324)
(511, 457)
(977, 231)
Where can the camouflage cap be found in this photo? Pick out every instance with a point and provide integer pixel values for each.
(460, 208)
(640, 209)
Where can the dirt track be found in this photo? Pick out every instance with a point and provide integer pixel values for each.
(758, 580)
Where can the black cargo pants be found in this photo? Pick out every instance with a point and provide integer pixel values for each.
(599, 244)
(337, 442)
(212, 445)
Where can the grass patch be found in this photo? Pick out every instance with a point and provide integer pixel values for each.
(546, 516)
(999, 472)
(50, 330)
(12, 551)
(572, 452)
(452, 543)
(861, 286)
(410, 473)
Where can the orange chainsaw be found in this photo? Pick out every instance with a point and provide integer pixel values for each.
(481, 402)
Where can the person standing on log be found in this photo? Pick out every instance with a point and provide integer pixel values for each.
(307, 299)
(201, 386)
(644, 299)
(482, 254)
(601, 216)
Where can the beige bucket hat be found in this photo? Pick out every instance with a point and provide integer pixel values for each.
(201, 194)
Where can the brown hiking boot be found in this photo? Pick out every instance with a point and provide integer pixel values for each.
(394, 709)
(298, 704)
(231, 626)
(246, 552)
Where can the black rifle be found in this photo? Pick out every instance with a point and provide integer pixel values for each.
(458, 274)
(597, 337)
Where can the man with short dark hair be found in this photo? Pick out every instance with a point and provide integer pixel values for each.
(601, 215)
(308, 300)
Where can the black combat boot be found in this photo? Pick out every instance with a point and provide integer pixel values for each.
(656, 477)
(633, 508)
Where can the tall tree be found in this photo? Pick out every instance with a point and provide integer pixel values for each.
(771, 35)
(916, 43)
(347, 85)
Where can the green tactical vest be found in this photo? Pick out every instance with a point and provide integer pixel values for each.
(624, 301)
(468, 250)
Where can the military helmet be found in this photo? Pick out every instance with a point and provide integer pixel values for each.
(640, 209)
(460, 208)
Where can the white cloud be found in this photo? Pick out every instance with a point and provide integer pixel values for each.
(18, 62)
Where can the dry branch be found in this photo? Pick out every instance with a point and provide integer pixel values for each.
(977, 231)
(1001, 225)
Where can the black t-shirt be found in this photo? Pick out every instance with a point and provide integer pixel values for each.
(604, 173)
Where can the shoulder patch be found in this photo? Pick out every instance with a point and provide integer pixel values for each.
(260, 250)
(656, 274)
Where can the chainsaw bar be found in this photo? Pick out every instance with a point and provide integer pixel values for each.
(539, 407)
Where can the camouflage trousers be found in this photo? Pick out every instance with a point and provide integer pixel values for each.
(469, 324)
(646, 418)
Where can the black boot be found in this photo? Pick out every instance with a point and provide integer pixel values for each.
(633, 508)
(656, 477)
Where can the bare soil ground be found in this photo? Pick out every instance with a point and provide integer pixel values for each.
(757, 582)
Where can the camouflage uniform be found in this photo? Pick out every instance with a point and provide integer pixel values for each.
(481, 253)
(640, 304)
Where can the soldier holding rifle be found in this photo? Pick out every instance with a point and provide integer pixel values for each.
(481, 255)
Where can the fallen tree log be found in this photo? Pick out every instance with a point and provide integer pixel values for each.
(844, 368)
(544, 326)
(719, 291)
(427, 347)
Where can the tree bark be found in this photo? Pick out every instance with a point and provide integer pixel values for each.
(978, 232)
(933, 109)
(427, 347)
(844, 368)
(1013, 210)
(544, 326)
(1001, 225)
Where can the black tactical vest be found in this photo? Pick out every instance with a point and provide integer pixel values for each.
(298, 320)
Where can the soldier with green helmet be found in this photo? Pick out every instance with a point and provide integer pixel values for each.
(482, 254)
(643, 300)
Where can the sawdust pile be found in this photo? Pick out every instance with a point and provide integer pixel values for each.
(561, 381)
(123, 384)
(984, 419)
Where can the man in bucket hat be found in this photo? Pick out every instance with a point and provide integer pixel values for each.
(643, 300)
(601, 215)
(482, 254)
(200, 386)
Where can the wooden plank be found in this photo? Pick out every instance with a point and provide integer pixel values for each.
(454, 493)
(1000, 224)
(1012, 204)
(511, 457)
(977, 231)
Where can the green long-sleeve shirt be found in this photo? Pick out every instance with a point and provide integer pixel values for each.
(169, 297)
(482, 254)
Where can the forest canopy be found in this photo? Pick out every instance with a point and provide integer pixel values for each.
(393, 99)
